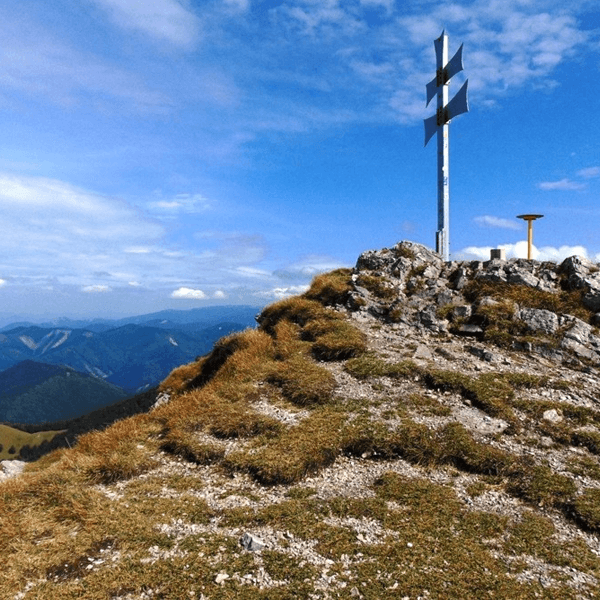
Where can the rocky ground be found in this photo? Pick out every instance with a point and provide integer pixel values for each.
(458, 331)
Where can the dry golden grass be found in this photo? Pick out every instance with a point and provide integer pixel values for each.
(103, 503)
(331, 288)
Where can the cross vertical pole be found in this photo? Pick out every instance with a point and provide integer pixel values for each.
(443, 153)
(439, 123)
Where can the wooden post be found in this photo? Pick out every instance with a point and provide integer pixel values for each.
(530, 219)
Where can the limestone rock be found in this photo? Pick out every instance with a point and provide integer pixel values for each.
(11, 468)
(552, 415)
(539, 320)
(251, 542)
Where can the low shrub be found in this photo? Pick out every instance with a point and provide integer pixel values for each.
(569, 302)
(370, 365)
(119, 452)
(298, 310)
(335, 339)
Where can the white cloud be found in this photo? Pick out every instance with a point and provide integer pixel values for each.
(519, 250)
(53, 230)
(137, 250)
(279, 293)
(252, 272)
(189, 294)
(561, 185)
(589, 173)
(180, 204)
(39, 208)
(96, 289)
(37, 63)
(166, 20)
(490, 221)
(3, 282)
(219, 295)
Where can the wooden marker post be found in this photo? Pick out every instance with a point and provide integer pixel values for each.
(530, 219)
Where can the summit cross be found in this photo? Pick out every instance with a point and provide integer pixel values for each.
(438, 123)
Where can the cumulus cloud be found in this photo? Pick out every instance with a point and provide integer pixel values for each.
(96, 289)
(3, 282)
(562, 185)
(519, 250)
(219, 295)
(279, 293)
(490, 221)
(188, 294)
(165, 20)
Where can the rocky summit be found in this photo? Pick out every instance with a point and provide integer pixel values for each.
(410, 428)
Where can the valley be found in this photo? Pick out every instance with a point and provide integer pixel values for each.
(57, 371)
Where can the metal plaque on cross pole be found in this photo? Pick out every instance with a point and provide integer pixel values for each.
(438, 123)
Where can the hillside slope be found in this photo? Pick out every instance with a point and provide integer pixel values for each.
(32, 392)
(408, 429)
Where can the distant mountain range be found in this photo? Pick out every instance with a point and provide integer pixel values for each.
(195, 318)
(132, 354)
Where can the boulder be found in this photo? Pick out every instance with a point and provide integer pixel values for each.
(552, 415)
(524, 278)
(251, 542)
(539, 320)
(11, 468)
(576, 269)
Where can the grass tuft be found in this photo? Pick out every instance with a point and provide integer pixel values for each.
(303, 382)
(331, 288)
(541, 486)
(585, 508)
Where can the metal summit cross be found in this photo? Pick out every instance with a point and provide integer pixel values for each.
(438, 123)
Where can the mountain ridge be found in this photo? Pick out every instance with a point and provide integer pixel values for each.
(408, 428)
(131, 355)
(204, 315)
(52, 393)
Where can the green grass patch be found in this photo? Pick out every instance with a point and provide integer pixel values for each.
(13, 440)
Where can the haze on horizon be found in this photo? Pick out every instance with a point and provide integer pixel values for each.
(178, 153)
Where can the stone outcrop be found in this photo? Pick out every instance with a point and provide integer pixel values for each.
(11, 468)
(411, 284)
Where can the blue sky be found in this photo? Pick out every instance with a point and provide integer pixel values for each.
(180, 153)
